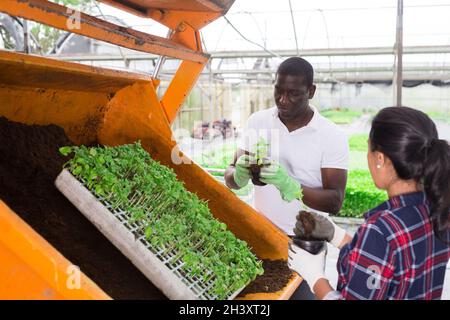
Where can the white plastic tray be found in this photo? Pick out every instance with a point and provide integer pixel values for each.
(156, 264)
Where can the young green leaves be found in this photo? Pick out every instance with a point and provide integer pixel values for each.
(262, 150)
(170, 217)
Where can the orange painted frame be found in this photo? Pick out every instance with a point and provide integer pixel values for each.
(195, 13)
(184, 44)
(59, 16)
(35, 269)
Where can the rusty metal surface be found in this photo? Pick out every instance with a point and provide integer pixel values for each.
(59, 17)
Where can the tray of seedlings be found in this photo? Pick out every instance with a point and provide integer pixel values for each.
(167, 232)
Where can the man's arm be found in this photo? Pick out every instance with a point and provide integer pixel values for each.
(331, 196)
(229, 172)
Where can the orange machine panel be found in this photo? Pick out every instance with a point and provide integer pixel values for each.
(32, 269)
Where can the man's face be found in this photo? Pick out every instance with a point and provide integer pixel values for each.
(292, 95)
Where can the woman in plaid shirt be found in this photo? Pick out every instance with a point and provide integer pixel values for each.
(402, 248)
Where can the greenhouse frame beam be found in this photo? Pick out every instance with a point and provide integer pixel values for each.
(434, 69)
(333, 52)
(263, 54)
(348, 78)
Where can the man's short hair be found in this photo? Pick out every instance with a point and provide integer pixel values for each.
(296, 66)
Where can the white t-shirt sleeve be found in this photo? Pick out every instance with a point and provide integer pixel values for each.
(335, 150)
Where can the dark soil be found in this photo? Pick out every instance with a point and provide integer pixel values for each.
(304, 238)
(29, 164)
(308, 224)
(255, 170)
(276, 276)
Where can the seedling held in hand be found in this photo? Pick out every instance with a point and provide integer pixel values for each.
(261, 154)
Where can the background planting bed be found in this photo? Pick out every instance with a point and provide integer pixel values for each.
(156, 264)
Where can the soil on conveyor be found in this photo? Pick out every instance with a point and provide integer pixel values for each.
(276, 276)
(29, 164)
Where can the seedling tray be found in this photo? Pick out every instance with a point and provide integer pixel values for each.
(159, 265)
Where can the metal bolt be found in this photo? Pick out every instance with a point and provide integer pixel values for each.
(181, 27)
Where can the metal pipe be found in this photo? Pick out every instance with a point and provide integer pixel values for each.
(161, 59)
(283, 53)
(26, 37)
(359, 70)
(398, 74)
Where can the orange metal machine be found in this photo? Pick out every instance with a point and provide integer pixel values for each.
(113, 108)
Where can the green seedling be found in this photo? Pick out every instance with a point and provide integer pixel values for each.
(261, 153)
(171, 218)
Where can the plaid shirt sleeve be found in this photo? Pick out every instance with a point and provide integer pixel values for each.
(366, 265)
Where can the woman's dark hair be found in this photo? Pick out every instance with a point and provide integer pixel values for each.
(409, 138)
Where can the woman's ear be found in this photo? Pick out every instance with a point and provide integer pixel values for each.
(381, 159)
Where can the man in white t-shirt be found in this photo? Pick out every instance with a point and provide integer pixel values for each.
(308, 153)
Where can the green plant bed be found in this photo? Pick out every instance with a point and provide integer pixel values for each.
(172, 217)
(358, 142)
(439, 116)
(358, 161)
(361, 194)
(341, 116)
